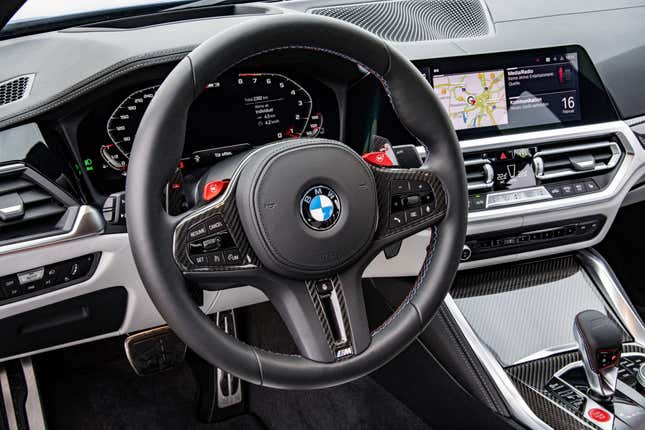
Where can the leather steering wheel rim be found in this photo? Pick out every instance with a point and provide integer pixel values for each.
(158, 148)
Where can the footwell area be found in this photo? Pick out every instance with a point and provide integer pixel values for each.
(93, 387)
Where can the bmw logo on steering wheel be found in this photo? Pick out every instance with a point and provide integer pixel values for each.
(320, 207)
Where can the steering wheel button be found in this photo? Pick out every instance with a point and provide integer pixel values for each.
(213, 189)
(378, 158)
(216, 259)
(232, 257)
(197, 232)
(400, 186)
(201, 260)
(412, 201)
(413, 214)
(397, 220)
(215, 224)
(420, 186)
(212, 243)
(195, 247)
(324, 286)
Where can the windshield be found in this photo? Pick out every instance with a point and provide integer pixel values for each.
(38, 10)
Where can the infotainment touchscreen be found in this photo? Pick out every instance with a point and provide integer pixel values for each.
(542, 91)
(519, 89)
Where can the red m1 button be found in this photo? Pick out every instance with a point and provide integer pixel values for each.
(379, 159)
(599, 415)
(214, 188)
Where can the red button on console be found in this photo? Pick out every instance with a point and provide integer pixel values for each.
(599, 415)
(214, 188)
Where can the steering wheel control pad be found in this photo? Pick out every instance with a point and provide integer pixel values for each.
(308, 207)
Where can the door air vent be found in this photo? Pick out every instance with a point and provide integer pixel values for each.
(479, 174)
(576, 158)
(15, 89)
(415, 20)
(30, 205)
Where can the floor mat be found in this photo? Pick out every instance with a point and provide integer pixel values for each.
(362, 404)
(93, 387)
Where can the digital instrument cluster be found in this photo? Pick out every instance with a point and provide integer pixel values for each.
(234, 113)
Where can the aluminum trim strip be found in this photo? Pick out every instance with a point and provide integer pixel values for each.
(613, 293)
(547, 352)
(35, 415)
(8, 400)
(540, 193)
(509, 392)
(88, 222)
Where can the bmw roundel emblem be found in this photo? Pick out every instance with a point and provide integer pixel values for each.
(320, 207)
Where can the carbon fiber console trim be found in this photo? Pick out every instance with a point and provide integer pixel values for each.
(549, 411)
(521, 385)
(525, 311)
(537, 373)
(516, 277)
(532, 377)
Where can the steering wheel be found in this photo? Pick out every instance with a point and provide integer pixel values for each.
(304, 217)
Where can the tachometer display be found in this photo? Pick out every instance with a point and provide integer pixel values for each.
(124, 122)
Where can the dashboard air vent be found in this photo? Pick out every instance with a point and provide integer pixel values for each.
(416, 20)
(576, 158)
(479, 173)
(30, 205)
(15, 89)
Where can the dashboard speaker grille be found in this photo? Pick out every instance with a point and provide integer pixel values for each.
(15, 89)
(416, 20)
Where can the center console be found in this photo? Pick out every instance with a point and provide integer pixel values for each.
(559, 339)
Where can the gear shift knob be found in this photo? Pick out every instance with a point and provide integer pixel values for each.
(600, 342)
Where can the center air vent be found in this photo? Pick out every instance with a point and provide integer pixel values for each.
(15, 89)
(415, 20)
(479, 174)
(30, 205)
(576, 158)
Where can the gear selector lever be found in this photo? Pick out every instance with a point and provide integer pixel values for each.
(600, 343)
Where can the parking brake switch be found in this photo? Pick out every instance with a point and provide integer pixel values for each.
(600, 343)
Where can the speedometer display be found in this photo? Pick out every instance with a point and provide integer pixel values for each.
(124, 121)
(241, 110)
